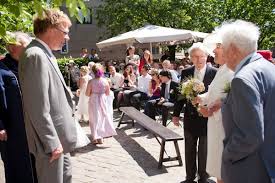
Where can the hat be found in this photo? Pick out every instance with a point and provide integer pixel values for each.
(210, 42)
(266, 54)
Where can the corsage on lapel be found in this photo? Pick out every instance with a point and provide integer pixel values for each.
(227, 88)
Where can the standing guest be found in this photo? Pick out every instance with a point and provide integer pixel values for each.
(93, 57)
(142, 92)
(90, 66)
(84, 53)
(147, 59)
(166, 65)
(110, 99)
(82, 107)
(132, 58)
(98, 89)
(73, 75)
(48, 106)
(248, 111)
(215, 131)
(13, 140)
(168, 94)
(166, 56)
(195, 125)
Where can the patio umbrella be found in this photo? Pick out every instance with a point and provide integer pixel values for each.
(152, 34)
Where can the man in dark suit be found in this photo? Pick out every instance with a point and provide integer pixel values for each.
(168, 93)
(13, 140)
(195, 126)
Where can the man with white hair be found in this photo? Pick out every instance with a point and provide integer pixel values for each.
(248, 111)
(195, 125)
(13, 140)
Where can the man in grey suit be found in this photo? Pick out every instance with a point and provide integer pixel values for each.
(248, 111)
(47, 103)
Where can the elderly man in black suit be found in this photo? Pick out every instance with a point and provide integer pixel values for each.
(195, 126)
(168, 93)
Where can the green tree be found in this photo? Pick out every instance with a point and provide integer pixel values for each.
(17, 15)
(119, 16)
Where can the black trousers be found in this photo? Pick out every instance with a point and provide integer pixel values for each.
(136, 97)
(151, 108)
(191, 142)
(19, 165)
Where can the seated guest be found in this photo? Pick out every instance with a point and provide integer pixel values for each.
(154, 85)
(117, 81)
(166, 65)
(142, 92)
(168, 93)
(129, 84)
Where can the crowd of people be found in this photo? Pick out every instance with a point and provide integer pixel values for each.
(230, 136)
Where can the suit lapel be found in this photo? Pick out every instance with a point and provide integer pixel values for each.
(53, 63)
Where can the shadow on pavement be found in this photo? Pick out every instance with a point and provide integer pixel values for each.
(144, 159)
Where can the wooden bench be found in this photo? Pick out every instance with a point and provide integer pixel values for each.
(158, 131)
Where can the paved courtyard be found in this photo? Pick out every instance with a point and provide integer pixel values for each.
(130, 157)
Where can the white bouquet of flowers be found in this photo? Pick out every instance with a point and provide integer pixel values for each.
(190, 88)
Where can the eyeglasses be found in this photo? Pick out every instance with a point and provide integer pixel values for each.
(64, 32)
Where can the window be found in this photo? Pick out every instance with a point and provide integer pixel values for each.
(86, 19)
(155, 50)
(65, 48)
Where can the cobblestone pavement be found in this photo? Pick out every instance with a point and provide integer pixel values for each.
(130, 157)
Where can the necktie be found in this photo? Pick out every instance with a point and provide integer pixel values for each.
(166, 91)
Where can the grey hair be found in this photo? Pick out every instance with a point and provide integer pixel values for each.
(20, 37)
(197, 46)
(242, 34)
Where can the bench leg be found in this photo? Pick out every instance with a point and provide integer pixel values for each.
(121, 118)
(133, 123)
(178, 152)
(162, 149)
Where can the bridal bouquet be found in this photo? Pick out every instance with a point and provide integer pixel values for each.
(190, 88)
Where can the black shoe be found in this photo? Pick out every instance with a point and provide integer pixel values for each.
(206, 181)
(188, 181)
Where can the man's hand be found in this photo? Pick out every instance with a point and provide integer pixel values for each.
(216, 106)
(56, 153)
(176, 121)
(3, 135)
(196, 100)
(204, 111)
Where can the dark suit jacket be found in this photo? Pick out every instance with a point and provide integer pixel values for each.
(14, 151)
(249, 124)
(173, 91)
(193, 123)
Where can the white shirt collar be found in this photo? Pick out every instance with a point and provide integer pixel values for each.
(239, 66)
(46, 46)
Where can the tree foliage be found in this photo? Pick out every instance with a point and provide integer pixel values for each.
(17, 15)
(118, 16)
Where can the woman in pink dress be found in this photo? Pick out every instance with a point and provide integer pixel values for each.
(98, 89)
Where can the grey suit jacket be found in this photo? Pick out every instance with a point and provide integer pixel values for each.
(47, 103)
(249, 124)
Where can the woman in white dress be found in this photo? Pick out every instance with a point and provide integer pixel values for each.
(209, 102)
(82, 107)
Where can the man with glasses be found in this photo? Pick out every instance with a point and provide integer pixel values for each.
(47, 102)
